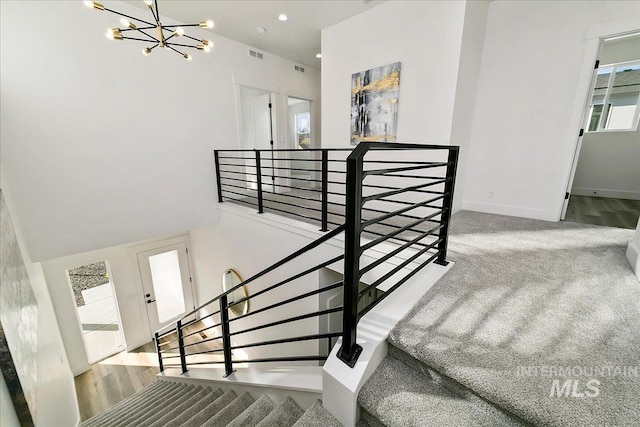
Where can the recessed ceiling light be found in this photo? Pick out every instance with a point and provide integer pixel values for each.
(261, 30)
(318, 55)
(283, 17)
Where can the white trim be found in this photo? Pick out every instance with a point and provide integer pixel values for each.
(603, 192)
(633, 255)
(518, 211)
(81, 369)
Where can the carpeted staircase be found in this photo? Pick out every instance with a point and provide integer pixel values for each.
(167, 403)
(528, 307)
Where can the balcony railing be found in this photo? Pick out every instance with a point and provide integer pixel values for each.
(391, 201)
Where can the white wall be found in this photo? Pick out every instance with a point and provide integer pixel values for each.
(609, 162)
(532, 58)
(475, 21)
(425, 37)
(104, 146)
(8, 416)
(55, 388)
(609, 165)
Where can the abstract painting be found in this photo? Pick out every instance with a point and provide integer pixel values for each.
(374, 104)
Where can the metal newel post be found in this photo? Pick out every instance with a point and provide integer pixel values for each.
(218, 180)
(447, 203)
(325, 189)
(259, 177)
(183, 358)
(350, 350)
(226, 339)
(159, 353)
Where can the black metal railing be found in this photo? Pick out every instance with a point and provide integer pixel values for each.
(395, 202)
(305, 184)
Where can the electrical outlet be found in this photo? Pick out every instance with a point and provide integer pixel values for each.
(490, 195)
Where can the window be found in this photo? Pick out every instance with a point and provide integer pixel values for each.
(614, 104)
(303, 130)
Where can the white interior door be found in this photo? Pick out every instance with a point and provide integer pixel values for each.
(166, 280)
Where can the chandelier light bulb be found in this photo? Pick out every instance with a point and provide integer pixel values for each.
(146, 51)
(110, 34)
(179, 31)
(206, 48)
(187, 57)
(89, 4)
(125, 22)
(206, 24)
(283, 17)
(93, 5)
(148, 2)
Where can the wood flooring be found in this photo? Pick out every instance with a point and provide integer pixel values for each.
(114, 379)
(621, 213)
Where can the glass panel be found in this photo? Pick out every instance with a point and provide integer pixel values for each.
(167, 285)
(623, 98)
(97, 310)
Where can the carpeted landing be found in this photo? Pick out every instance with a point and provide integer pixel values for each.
(537, 323)
(167, 403)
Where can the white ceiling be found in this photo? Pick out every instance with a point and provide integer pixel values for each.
(297, 39)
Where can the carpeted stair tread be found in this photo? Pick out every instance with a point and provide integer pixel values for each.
(527, 293)
(254, 413)
(170, 406)
(186, 414)
(317, 416)
(284, 415)
(131, 410)
(231, 411)
(124, 405)
(210, 410)
(143, 412)
(397, 395)
(176, 409)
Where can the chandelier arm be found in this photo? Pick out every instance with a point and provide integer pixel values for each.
(182, 45)
(149, 35)
(137, 39)
(192, 38)
(127, 16)
(157, 11)
(181, 25)
(175, 50)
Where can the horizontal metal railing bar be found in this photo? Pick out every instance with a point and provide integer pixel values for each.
(384, 212)
(278, 176)
(215, 350)
(241, 201)
(399, 162)
(402, 169)
(269, 269)
(290, 204)
(401, 190)
(396, 212)
(238, 164)
(310, 218)
(205, 317)
(402, 202)
(288, 320)
(237, 180)
(396, 286)
(401, 146)
(237, 173)
(412, 176)
(395, 227)
(165, 350)
(289, 279)
(396, 269)
(237, 158)
(167, 342)
(171, 357)
(201, 330)
(242, 188)
(294, 188)
(280, 150)
(170, 331)
(283, 359)
(400, 239)
(290, 300)
(203, 341)
(213, 362)
(398, 231)
(288, 340)
(394, 252)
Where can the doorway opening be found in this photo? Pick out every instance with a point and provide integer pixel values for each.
(166, 282)
(605, 186)
(97, 310)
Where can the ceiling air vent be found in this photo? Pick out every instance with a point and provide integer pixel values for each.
(255, 54)
(299, 68)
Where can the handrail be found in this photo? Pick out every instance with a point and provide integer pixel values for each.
(423, 215)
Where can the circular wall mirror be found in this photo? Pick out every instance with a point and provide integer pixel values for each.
(230, 279)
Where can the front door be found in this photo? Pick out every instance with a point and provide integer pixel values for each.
(166, 280)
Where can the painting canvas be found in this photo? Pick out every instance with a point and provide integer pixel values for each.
(374, 104)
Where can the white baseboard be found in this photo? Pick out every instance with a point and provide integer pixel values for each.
(633, 255)
(518, 211)
(81, 369)
(603, 192)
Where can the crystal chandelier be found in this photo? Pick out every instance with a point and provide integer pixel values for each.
(155, 33)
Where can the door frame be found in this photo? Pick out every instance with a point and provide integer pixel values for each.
(149, 246)
(596, 33)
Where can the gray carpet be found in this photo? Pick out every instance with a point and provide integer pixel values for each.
(172, 404)
(527, 293)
